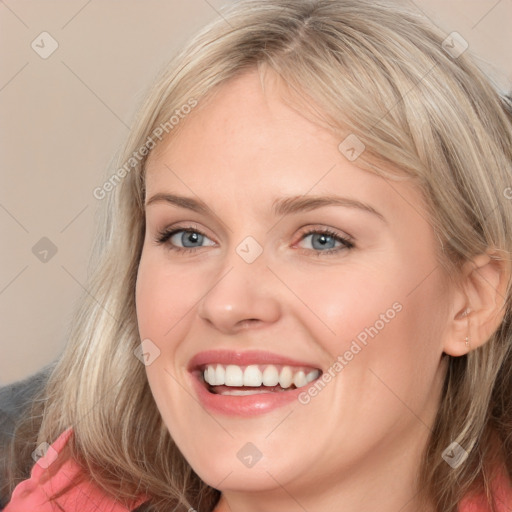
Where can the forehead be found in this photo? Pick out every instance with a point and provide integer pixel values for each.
(245, 144)
(241, 116)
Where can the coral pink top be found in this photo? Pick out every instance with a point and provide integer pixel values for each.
(502, 493)
(32, 495)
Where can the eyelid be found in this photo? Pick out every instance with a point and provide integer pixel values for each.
(319, 228)
(166, 233)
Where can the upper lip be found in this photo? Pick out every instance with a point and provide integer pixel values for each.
(243, 358)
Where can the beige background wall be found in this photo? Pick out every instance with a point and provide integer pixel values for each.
(63, 118)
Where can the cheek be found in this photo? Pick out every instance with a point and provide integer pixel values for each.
(396, 289)
(383, 322)
(164, 296)
(164, 304)
(344, 303)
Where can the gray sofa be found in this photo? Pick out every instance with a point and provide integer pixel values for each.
(14, 401)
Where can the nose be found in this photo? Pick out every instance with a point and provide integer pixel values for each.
(243, 295)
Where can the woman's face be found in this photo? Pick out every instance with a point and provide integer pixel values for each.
(242, 291)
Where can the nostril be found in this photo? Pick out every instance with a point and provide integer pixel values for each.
(248, 322)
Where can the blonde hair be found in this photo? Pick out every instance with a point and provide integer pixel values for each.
(378, 71)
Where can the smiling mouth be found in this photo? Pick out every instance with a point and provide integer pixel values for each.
(234, 380)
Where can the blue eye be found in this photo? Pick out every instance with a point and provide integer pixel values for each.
(323, 241)
(187, 237)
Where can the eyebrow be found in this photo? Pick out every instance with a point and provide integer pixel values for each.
(280, 207)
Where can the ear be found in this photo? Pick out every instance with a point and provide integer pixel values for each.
(478, 304)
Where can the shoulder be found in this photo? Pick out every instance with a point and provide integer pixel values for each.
(502, 494)
(56, 484)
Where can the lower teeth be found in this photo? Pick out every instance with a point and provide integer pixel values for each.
(225, 391)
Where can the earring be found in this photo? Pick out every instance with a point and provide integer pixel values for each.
(465, 313)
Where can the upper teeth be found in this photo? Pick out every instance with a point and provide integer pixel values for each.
(253, 375)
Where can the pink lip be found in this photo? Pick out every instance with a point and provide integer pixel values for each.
(242, 405)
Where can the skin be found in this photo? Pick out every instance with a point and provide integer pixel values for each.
(359, 442)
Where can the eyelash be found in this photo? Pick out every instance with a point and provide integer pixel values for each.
(164, 236)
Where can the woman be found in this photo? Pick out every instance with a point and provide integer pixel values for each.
(340, 336)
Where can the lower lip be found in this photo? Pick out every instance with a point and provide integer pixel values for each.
(249, 405)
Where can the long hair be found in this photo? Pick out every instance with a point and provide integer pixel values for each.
(379, 71)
